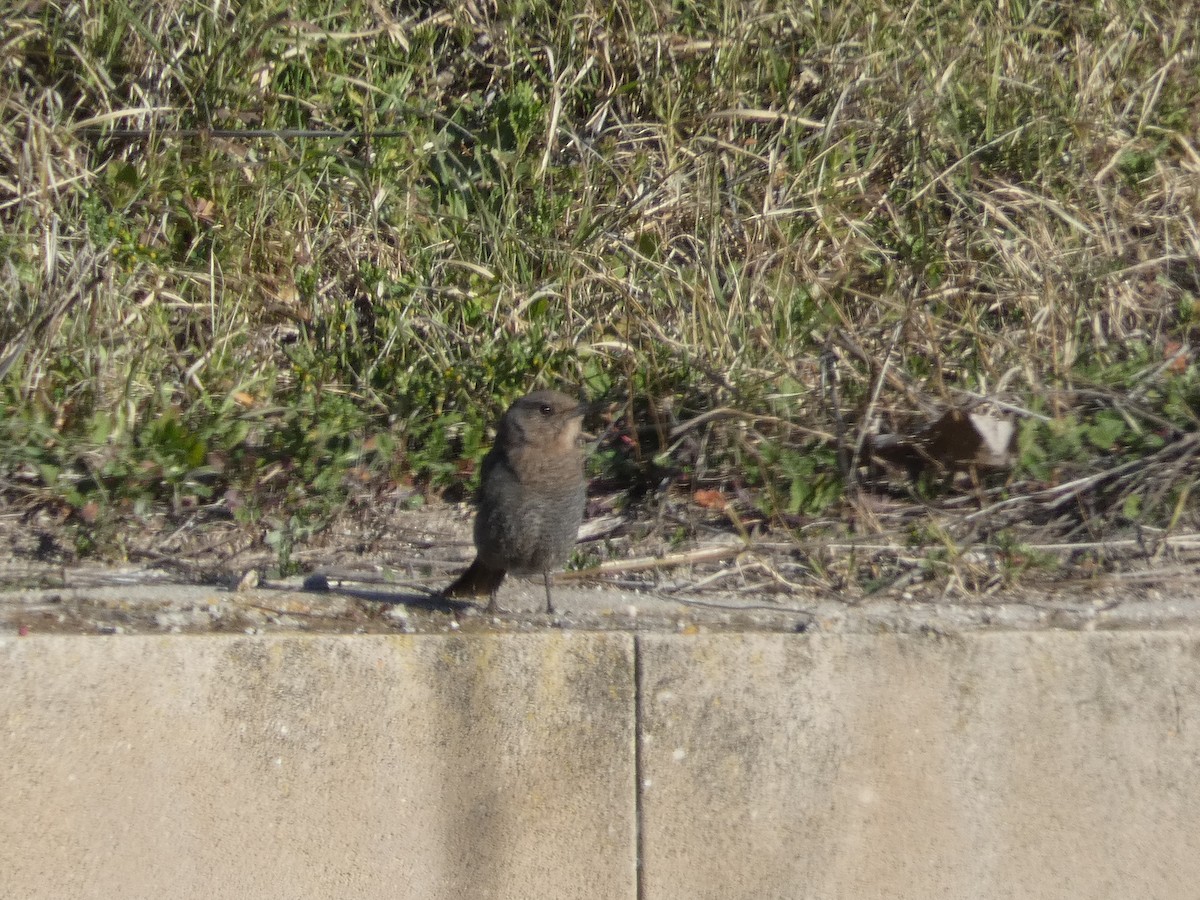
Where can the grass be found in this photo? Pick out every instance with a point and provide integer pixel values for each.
(680, 207)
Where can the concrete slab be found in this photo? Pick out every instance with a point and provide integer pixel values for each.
(333, 766)
(1014, 765)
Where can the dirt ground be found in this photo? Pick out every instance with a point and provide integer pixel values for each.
(378, 569)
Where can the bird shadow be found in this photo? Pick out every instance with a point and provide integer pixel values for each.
(426, 601)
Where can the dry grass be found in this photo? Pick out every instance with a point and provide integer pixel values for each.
(682, 207)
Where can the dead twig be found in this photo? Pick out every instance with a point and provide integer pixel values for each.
(646, 563)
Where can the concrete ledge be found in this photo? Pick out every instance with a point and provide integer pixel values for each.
(993, 765)
(293, 767)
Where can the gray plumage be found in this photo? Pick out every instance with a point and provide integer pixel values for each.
(532, 496)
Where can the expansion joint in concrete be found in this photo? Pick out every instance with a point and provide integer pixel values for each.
(639, 833)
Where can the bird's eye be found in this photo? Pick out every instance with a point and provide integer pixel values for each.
(546, 409)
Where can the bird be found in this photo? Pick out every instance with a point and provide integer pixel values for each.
(532, 495)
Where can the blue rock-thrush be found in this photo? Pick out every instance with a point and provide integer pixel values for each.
(532, 495)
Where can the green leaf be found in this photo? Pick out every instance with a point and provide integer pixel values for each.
(102, 427)
(1105, 431)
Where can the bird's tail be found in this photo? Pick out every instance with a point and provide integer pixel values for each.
(478, 581)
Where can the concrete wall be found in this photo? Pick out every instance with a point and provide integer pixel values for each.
(324, 767)
(1048, 765)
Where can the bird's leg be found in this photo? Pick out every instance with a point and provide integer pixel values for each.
(549, 602)
(491, 604)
